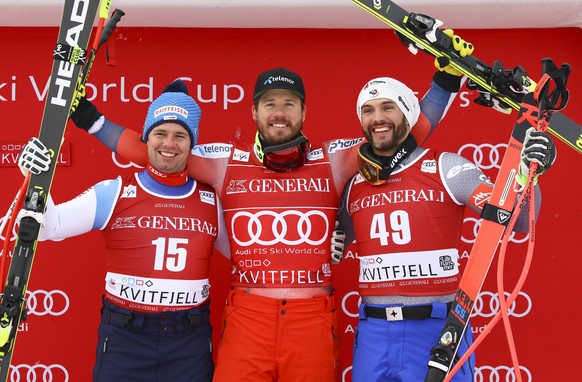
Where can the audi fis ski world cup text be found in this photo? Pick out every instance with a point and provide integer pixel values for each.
(143, 91)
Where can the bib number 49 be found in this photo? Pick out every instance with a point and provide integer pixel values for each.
(398, 230)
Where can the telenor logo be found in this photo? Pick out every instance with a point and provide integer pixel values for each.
(272, 79)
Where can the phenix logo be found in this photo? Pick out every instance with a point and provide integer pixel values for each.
(64, 78)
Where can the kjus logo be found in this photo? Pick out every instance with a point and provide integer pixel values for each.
(485, 156)
(38, 372)
(501, 374)
(487, 305)
(289, 227)
(41, 302)
(476, 223)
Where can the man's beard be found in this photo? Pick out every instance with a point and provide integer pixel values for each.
(281, 136)
(399, 133)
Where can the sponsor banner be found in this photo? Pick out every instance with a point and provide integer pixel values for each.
(67, 281)
(9, 151)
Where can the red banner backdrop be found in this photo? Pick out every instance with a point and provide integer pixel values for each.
(220, 67)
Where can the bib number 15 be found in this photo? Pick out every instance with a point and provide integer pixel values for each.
(398, 230)
(170, 255)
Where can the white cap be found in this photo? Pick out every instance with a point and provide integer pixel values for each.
(389, 88)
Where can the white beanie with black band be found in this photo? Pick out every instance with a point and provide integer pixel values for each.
(394, 90)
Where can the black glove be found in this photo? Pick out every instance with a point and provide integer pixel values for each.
(538, 147)
(448, 77)
(338, 238)
(85, 114)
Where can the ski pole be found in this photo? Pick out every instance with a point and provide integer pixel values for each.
(16, 203)
(102, 35)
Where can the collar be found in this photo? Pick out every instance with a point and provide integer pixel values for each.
(177, 179)
(380, 167)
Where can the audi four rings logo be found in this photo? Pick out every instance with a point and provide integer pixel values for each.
(500, 374)
(38, 372)
(477, 223)
(290, 227)
(14, 230)
(354, 304)
(487, 305)
(485, 156)
(41, 302)
(483, 374)
(122, 165)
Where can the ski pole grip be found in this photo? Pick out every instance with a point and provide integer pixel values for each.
(110, 26)
(434, 375)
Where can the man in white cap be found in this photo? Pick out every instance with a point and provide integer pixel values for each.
(159, 227)
(405, 209)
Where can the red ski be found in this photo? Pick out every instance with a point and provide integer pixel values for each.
(496, 215)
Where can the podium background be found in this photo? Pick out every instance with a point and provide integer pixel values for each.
(220, 67)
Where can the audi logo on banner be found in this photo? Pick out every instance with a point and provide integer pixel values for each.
(282, 227)
(354, 303)
(14, 229)
(487, 305)
(482, 374)
(486, 156)
(38, 372)
(476, 223)
(345, 373)
(122, 165)
(42, 302)
(500, 374)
